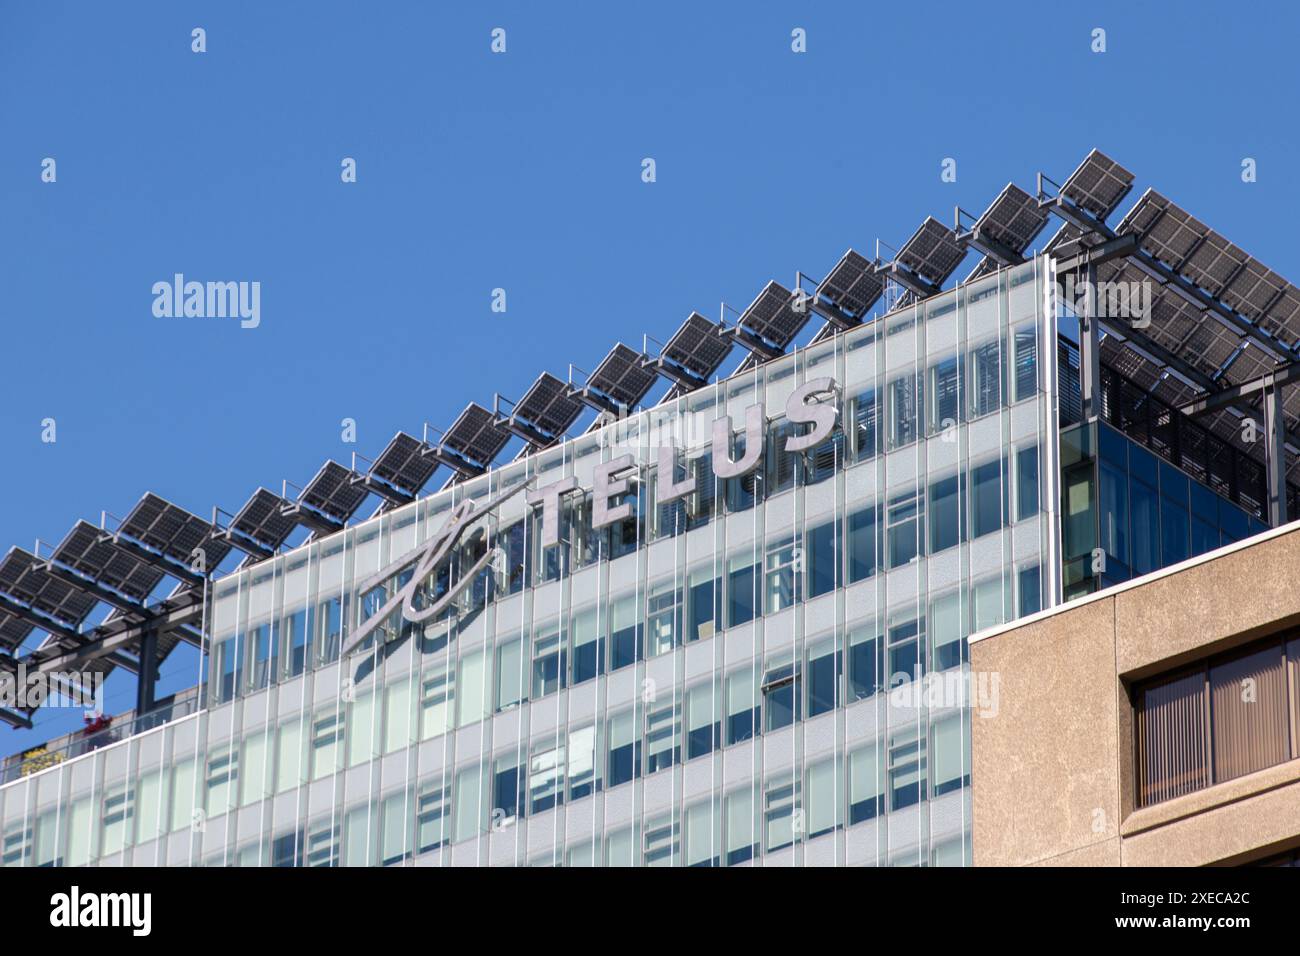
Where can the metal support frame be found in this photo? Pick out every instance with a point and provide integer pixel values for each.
(1275, 454)
(147, 677)
(1090, 349)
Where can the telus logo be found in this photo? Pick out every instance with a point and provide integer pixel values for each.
(103, 909)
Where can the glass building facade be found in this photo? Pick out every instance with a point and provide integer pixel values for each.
(703, 682)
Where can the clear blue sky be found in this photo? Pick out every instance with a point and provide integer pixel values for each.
(519, 171)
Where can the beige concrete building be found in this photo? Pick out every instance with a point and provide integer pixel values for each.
(1152, 723)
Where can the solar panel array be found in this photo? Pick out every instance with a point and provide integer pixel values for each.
(1188, 349)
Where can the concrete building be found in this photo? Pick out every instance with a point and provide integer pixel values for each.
(1153, 723)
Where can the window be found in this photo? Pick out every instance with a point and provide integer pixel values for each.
(436, 698)
(361, 730)
(866, 662)
(987, 598)
(624, 749)
(742, 590)
(823, 810)
(392, 832)
(624, 632)
(906, 770)
(903, 404)
(704, 611)
(702, 835)
(1026, 482)
(946, 626)
(781, 693)
(583, 777)
(1229, 716)
(822, 558)
(471, 698)
(663, 617)
(469, 813)
(866, 797)
(985, 378)
(326, 739)
(662, 840)
(588, 645)
(951, 756)
(782, 574)
(824, 460)
(906, 648)
(823, 676)
(862, 544)
(988, 498)
(397, 716)
(431, 817)
(663, 731)
(289, 766)
(265, 656)
(329, 616)
(546, 772)
(295, 626)
(116, 817)
(510, 673)
(742, 841)
(947, 527)
(702, 728)
(782, 465)
(252, 783)
(620, 847)
(222, 781)
(1025, 344)
(945, 395)
(781, 827)
(548, 661)
(742, 706)
(906, 519)
(507, 791)
(864, 425)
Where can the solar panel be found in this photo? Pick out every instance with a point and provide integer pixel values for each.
(1206, 259)
(1013, 219)
(262, 519)
(13, 631)
(933, 252)
(22, 578)
(1268, 300)
(549, 406)
(404, 465)
(697, 346)
(773, 316)
(91, 551)
(172, 530)
(476, 435)
(1099, 185)
(333, 492)
(852, 286)
(623, 376)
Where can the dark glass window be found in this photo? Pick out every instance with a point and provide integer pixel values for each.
(742, 593)
(862, 544)
(987, 498)
(946, 524)
(822, 556)
(823, 677)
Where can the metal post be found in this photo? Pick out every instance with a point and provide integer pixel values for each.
(1275, 435)
(148, 676)
(1089, 350)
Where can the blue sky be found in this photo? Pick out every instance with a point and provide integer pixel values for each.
(520, 171)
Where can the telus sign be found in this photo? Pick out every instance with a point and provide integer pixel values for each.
(611, 482)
